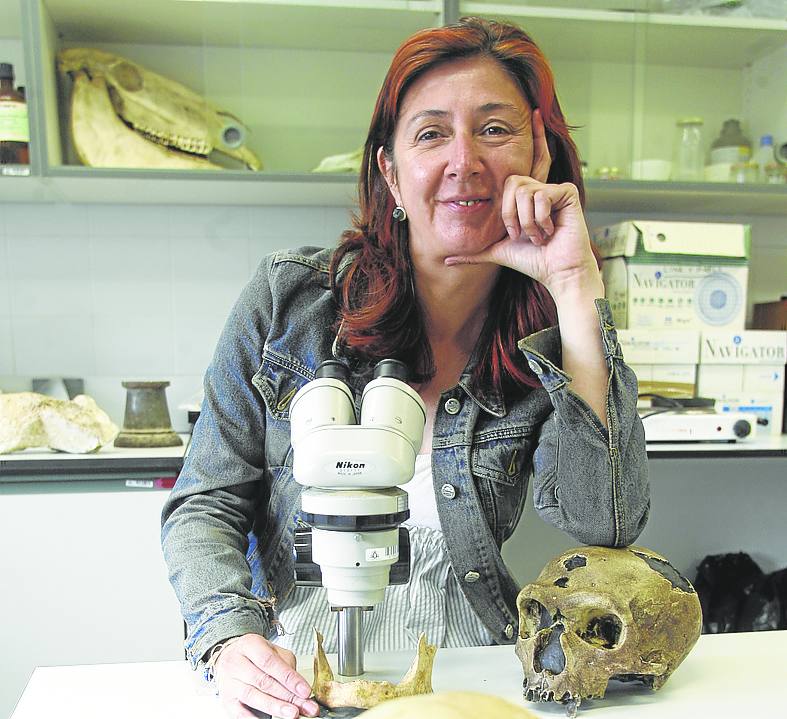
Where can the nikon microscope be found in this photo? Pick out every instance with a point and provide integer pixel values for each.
(351, 506)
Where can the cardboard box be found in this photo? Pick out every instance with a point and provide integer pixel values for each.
(665, 361)
(666, 380)
(744, 372)
(758, 347)
(660, 346)
(675, 275)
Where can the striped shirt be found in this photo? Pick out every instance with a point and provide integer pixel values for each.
(431, 602)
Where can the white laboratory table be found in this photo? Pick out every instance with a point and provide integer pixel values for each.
(724, 677)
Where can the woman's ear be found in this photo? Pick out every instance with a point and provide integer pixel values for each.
(386, 167)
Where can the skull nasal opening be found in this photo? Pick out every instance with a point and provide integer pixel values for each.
(548, 654)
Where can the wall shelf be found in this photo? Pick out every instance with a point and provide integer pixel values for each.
(594, 35)
(94, 185)
(372, 25)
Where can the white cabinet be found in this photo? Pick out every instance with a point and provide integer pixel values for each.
(303, 75)
(83, 579)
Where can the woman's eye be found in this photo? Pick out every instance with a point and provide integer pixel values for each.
(428, 135)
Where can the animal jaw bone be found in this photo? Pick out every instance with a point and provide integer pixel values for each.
(364, 693)
(162, 113)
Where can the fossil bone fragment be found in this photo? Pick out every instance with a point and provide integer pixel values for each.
(364, 693)
(595, 614)
(449, 705)
(346, 162)
(163, 114)
(29, 419)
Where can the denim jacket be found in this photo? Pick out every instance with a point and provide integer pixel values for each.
(227, 528)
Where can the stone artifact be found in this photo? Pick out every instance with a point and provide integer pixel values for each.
(364, 693)
(596, 614)
(449, 705)
(123, 115)
(146, 421)
(29, 419)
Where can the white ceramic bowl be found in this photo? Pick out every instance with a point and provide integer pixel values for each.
(651, 169)
(717, 172)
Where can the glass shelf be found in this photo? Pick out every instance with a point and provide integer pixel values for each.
(91, 185)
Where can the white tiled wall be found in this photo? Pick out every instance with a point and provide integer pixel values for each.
(117, 292)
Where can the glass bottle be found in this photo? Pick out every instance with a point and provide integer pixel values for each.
(765, 155)
(731, 145)
(689, 152)
(14, 129)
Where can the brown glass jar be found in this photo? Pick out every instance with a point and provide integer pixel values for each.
(14, 128)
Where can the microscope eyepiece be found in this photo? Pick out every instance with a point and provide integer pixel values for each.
(391, 368)
(332, 369)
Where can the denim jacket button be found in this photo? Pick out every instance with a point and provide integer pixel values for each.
(448, 491)
(535, 366)
(452, 406)
(471, 577)
(509, 631)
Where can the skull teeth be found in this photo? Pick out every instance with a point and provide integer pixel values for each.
(187, 144)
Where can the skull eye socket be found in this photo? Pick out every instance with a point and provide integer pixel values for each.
(601, 630)
(535, 617)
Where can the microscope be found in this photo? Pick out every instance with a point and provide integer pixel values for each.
(350, 540)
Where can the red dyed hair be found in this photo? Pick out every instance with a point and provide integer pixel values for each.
(379, 312)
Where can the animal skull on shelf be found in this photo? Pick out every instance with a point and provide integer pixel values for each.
(595, 614)
(123, 115)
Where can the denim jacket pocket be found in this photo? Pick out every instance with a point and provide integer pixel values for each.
(277, 384)
(500, 475)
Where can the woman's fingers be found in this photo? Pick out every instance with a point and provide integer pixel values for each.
(530, 208)
(542, 211)
(247, 672)
(239, 697)
(257, 674)
(526, 212)
(542, 160)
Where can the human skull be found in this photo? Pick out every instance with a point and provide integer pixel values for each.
(596, 614)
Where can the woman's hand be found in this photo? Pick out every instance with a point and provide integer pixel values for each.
(546, 238)
(253, 673)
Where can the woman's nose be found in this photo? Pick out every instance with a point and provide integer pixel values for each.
(464, 159)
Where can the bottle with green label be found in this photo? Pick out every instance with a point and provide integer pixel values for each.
(14, 129)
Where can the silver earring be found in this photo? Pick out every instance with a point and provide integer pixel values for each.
(399, 214)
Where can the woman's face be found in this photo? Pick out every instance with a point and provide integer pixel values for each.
(463, 128)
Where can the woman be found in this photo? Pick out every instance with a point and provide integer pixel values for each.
(470, 237)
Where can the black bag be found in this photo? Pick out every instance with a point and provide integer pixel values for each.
(723, 583)
(765, 606)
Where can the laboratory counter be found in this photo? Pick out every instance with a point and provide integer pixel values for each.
(164, 464)
(725, 676)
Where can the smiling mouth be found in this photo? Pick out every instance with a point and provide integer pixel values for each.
(467, 203)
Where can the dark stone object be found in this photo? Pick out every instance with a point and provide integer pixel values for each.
(146, 422)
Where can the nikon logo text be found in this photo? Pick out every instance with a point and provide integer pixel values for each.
(350, 465)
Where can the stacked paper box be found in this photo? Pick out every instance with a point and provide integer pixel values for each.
(744, 372)
(665, 361)
(675, 275)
